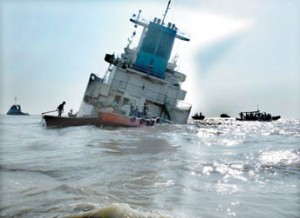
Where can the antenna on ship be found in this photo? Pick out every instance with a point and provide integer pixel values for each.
(166, 11)
(134, 32)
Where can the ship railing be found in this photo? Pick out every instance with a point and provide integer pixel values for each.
(107, 74)
(140, 20)
(183, 35)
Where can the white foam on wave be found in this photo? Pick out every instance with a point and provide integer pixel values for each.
(117, 210)
(279, 157)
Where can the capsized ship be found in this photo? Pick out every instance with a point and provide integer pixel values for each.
(142, 75)
(142, 81)
(16, 110)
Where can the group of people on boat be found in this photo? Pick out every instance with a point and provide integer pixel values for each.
(257, 116)
(134, 111)
(60, 110)
(244, 116)
(199, 116)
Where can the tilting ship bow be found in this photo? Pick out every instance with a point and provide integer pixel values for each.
(142, 82)
(142, 76)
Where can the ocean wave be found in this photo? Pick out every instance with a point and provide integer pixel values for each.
(280, 157)
(16, 168)
(117, 210)
(161, 171)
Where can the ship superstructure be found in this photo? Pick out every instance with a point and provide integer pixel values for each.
(142, 78)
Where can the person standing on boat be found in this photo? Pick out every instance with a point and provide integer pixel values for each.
(145, 110)
(60, 108)
(136, 111)
(131, 113)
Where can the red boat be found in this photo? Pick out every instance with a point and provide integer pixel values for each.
(104, 118)
(114, 119)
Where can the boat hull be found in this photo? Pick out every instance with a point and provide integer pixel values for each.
(55, 121)
(118, 120)
(276, 117)
(18, 113)
(261, 120)
(104, 119)
(198, 117)
(224, 116)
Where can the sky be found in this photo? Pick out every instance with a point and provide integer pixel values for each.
(241, 55)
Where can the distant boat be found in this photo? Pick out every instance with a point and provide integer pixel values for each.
(257, 116)
(16, 110)
(104, 118)
(197, 116)
(224, 115)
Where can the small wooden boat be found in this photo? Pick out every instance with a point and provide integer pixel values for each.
(55, 121)
(109, 119)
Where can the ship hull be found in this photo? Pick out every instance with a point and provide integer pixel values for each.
(18, 113)
(16, 110)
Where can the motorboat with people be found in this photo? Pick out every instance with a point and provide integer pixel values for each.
(143, 78)
(257, 116)
(197, 116)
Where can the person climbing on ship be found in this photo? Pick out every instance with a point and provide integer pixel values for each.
(60, 108)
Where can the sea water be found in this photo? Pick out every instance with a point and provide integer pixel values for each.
(223, 168)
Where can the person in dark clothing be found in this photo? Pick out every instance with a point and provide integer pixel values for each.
(60, 108)
(145, 110)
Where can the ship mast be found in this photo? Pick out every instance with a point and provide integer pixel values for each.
(166, 11)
